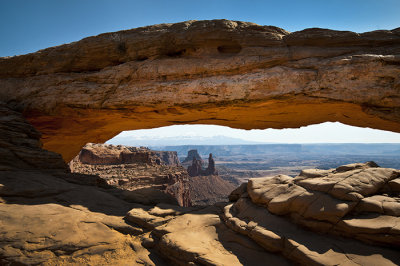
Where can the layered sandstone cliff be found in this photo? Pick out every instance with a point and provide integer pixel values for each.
(146, 176)
(95, 154)
(223, 72)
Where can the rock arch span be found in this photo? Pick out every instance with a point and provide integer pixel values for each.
(230, 73)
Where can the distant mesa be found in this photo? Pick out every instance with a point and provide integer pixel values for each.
(196, 168)
(145, 176)
(93, 153)
(192, 154)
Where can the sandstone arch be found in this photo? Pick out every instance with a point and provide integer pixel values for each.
(231, 73)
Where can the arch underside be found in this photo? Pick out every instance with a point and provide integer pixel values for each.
(67, 134)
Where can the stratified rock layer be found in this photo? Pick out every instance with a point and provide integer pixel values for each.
(147, 176)
(231, 73)
(110, 154)
(346, 201)
(20, 146)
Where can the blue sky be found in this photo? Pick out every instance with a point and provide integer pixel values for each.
(27, 26)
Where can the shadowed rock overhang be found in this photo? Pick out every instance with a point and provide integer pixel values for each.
(230, 73)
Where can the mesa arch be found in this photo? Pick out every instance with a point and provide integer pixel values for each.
(230, 73)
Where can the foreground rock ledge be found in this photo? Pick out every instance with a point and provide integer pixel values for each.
(231, 73)
(353, 209)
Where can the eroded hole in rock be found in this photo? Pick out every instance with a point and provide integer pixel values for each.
(229, 49)
(142, 58)
(122, 48)
(177, 53)
(202, 164)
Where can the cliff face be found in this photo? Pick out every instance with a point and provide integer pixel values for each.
(111, 154)
(20, 145)
(231, 73)
(149, 177)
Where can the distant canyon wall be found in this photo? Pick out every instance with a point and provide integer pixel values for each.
(111, 154)
(145, 176)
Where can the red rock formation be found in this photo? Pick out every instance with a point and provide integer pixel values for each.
(354, 200)
(20, 144)
(210, 170)
(231, 73)
(278, 212)
(111, 154)
(145, 173)
(196, 168)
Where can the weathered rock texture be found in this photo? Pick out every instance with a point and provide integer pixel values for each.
(210, 170)
(198, 237)
(146, 176)
(355, 201)
(223, 72)
(20, 144)
(110, 154)
(353, 209)
(46, 220)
